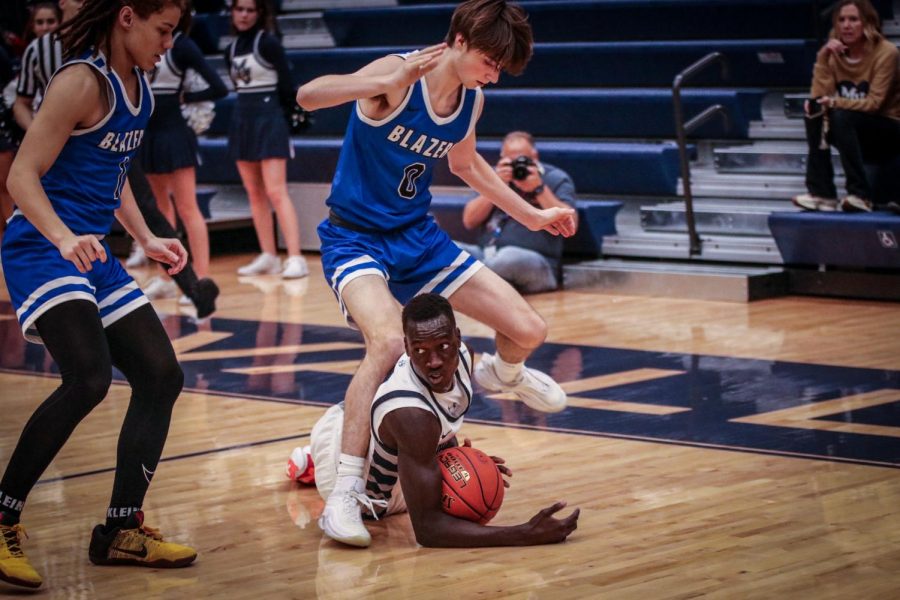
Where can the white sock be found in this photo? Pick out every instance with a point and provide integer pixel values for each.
(507, 372)
(351, 466)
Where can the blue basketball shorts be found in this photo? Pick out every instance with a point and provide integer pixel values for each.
(39, 278)
(418, 259)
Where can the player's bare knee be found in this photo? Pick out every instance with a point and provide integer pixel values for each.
(385, 349)
(531, 330)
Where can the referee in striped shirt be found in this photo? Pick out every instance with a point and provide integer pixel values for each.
(42, 58)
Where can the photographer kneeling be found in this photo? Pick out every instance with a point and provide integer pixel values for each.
(855, 107)
(529, 260)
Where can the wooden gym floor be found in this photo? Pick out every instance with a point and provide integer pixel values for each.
(715, 450)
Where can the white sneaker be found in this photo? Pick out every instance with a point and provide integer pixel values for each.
(810, 202)
(853, 203)
(535, 389)
(185, 301)
(294, 268)
(341, 518)
(137, 258)
(264, 264)
(158, 288)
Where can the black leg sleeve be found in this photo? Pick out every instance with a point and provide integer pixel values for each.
(74, 336)
(141, 349)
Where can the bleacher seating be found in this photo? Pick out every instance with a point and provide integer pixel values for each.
(605, 168)
(572, 113)
(597, 95)
(752, 63)
(585, 20)
(868, 240)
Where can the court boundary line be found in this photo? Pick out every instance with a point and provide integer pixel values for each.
(667, 441)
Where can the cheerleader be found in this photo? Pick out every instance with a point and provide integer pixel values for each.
(259, 139)
(169, 153)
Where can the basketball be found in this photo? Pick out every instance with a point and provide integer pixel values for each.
(472, 486)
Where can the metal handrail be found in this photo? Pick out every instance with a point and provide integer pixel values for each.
(682, 129)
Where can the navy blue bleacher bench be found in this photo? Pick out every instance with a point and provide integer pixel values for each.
(586, 20)
(753, 63)
(596, 219)
(596, 113)
(597, 168)
(860, 240)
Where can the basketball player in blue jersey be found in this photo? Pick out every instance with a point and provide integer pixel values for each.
(69, 181)
(379, 246)
(417, 412)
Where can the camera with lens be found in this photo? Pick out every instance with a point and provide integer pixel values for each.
(520, 167)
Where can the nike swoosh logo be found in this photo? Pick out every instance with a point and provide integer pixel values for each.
(142, 553)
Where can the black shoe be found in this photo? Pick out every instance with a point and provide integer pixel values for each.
(204, 297)
(894, 207)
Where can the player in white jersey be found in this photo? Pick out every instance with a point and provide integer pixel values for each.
(417, 412)
(380, 247)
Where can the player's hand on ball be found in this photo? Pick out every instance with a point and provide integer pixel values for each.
(82, 250)
(168, 251)
(497, 460)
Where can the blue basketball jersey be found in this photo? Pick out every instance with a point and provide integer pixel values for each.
(385, 168)
(85, 182)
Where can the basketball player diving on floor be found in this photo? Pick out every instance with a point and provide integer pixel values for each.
(379, 245)
(416, 413)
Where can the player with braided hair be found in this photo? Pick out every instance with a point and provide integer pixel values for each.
(69, 180)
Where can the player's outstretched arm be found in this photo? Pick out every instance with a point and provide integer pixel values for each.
(386, 78)
(468, 165)
(415, 433)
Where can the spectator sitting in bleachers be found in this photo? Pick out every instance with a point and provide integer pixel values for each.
(529, 260)
(855, 107)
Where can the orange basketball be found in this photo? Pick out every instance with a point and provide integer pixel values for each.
(472, 486)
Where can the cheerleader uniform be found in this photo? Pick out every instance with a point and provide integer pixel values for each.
(265, 90)
(169, 143)
(83, 186)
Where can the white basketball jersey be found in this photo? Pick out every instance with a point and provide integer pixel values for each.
(405, 389)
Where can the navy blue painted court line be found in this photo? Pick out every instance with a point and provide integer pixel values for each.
(177, 457)
(634, 438)
(699, 400)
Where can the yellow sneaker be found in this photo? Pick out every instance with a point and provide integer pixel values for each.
(136, 544)
(14, 566)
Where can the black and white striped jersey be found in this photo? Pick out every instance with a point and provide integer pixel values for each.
(405, 389)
